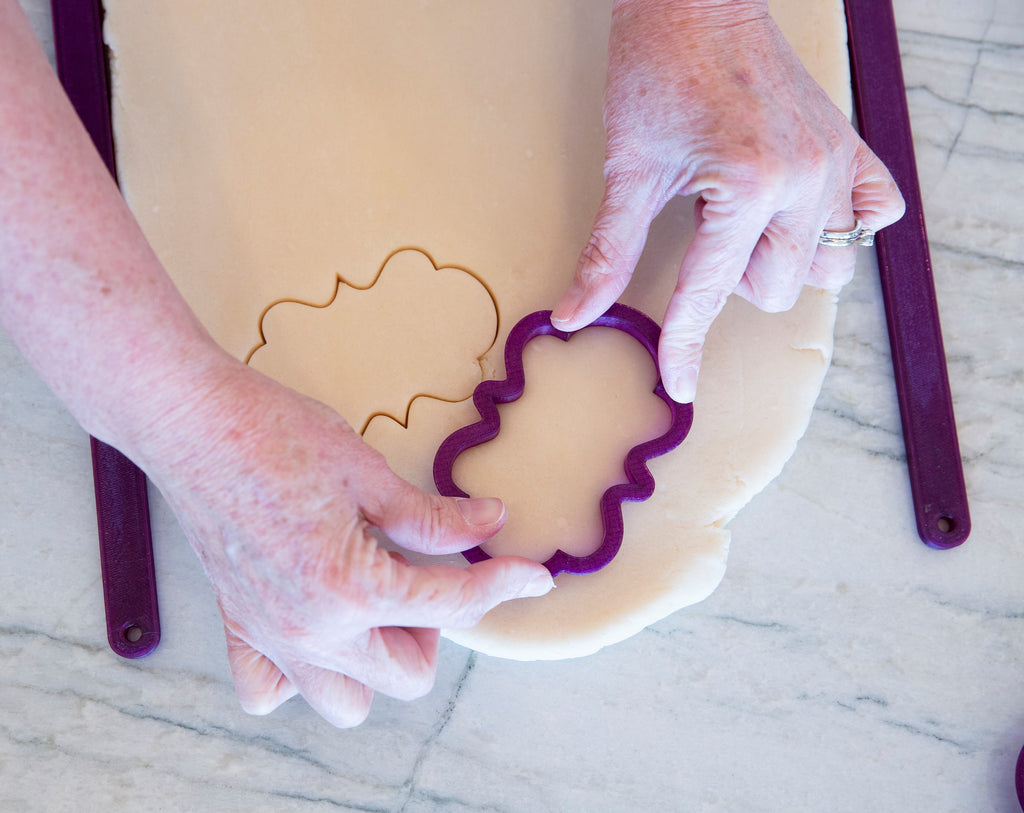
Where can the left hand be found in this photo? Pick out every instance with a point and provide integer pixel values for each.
(709, 99)
(280, 499)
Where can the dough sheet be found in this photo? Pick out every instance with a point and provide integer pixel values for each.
(281, 156)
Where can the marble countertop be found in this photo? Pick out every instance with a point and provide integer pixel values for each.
(841, 665)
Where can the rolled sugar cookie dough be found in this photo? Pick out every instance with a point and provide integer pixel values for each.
(282, 153)
(585, 404)
(417, 328)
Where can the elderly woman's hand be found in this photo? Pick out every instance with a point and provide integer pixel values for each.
(708, 99)
(278, 496)
(280, 499)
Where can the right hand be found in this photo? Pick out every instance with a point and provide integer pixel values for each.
(708, 99)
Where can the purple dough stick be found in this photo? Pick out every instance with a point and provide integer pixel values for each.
(1019, 778)
(904, 264)
(489, 394)
(122, 507)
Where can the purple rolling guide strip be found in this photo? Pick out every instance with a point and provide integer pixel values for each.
(122, 509)
(1019, 778)
(915, 337)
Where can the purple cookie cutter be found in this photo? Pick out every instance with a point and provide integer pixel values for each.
(489, 394)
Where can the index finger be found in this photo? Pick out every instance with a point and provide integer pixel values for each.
(606, 263)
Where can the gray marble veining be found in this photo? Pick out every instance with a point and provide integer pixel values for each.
(841, 665)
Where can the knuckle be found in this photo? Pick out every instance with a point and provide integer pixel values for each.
(455, 600)
(408, 678)
(354, 716)
(348, 710)
(896, 205)
(258, 705)
(775, 295)
(681, 353)
(601, 260)
(465, 609)
(760, 175)
(824, 154)
(417, 685)
(477, 594)
(622, 162)
(433, 521)
(780, 300)
(833, 273)
(700, 307)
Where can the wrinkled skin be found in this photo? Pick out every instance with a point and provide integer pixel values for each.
(708, 99)
(281, 504)
(277, 494)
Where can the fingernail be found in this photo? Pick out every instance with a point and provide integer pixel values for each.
(481, 510)
(539, 585)
(681, 384)
(565, 311)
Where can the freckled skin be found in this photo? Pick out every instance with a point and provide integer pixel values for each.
(277, 495)
(275, 492)
(705, 97)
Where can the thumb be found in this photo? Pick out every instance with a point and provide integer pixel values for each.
(432, 524)
(606, 263)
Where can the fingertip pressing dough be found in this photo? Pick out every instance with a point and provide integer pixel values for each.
(269, 150)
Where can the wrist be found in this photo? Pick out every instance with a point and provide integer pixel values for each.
(178, 404)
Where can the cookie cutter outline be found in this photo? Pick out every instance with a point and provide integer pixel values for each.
(488, 394)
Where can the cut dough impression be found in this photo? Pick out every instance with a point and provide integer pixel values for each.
(562, 444)
(416, 330)
(267, 148)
